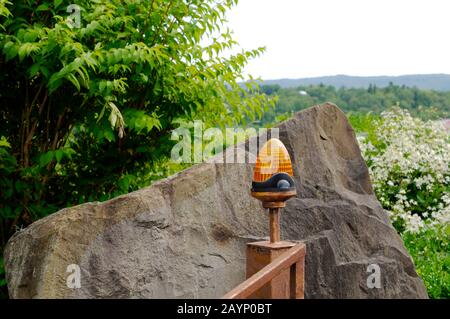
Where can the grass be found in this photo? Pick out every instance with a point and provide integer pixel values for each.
(430, 251)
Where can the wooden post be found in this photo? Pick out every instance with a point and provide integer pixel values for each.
(285, 262)
(298, 280)
(274, 217)
(259, 255)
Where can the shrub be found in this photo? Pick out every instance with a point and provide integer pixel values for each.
(408, 161)
(87, 108)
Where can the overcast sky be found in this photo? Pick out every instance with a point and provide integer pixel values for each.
(306, 38)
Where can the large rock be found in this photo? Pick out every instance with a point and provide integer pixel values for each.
(185, 236)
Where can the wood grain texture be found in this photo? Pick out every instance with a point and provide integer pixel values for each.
(266, 274)
(274, 196)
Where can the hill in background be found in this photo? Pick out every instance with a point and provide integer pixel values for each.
(438, 82)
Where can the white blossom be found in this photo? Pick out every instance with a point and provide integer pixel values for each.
(412, 158)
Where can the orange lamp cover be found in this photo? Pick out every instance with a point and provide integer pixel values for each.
(273, 158)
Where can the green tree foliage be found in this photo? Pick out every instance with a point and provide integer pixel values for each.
(86, 109)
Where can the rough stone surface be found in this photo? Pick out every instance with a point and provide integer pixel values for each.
(185, 236)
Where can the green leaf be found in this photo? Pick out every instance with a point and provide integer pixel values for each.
(124, 183)
(57, 3)
(109, 135)
(10, 49)
(4, 142)
(420, 198)
(34, 69)
(30, 36)
(26, 49)
(45, 72)
(20, 186)
(73, 80)
(139, 120)
(102, 113)
(43, 7)
(447, 230)
(46, 158)
(54, 83)
(59, 155)
(68, 152)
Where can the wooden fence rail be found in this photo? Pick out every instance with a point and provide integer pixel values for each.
(290, 259)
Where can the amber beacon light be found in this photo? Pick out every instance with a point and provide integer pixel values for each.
(272, 182)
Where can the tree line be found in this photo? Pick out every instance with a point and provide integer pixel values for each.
(426, 104)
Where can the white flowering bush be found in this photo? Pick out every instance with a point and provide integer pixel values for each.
(408, 161)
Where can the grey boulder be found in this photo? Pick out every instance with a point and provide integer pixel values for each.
(185, 236)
